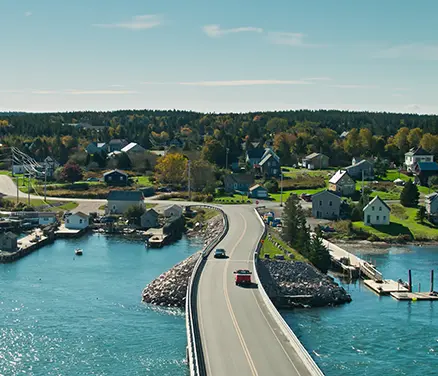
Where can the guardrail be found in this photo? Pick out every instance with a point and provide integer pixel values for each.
(195, 354)
(287, 331)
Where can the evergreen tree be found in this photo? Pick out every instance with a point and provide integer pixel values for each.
(409, 196)
(319, 255)
(421, 214)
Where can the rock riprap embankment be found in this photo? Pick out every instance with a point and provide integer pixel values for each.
(169, 289)
(284, 279)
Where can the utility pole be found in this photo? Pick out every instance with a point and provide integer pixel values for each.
(281, 188)
(28, 188)
(188, 178)
(226, 158)
(18, 190)
(45, 183)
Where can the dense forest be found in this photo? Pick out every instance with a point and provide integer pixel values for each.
(292, 133)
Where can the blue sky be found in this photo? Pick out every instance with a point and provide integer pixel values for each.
(217, 56)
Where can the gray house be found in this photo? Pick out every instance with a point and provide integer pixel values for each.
(431, 203)
(363, 167)
(238, 182)
(326, 205)
(149, 219)
(315, 161)
(270, 164)
(119, 201)
(253, 156)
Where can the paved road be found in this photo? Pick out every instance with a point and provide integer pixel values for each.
(239, 336)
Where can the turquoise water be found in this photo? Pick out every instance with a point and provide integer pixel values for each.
(376, 335)
(67, 315)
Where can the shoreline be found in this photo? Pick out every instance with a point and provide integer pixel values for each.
(368, 247)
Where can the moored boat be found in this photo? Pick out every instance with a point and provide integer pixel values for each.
(78, 252)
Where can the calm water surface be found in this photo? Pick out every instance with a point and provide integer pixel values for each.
(376, 335)
(66, 315)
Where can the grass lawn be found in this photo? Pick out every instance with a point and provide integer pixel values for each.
(269, 248)
(68, 206)
(286, 194)
(402, 223)
(142, 181)
(40, 202)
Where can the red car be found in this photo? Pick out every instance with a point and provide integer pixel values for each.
(243, 277)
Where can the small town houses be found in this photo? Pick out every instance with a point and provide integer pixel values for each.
(377, 212)
(342, 183)
(119, 201)
(431, 204)
(326, 205)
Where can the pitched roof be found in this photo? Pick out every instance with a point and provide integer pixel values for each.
(256, 186)
(338, 176)
(432, 196)
(240, 178)
(314, 155)
(326, 191)
(361, 163)
(427, 166)
(118, 141)
(375, 200)
(255, 153)
(344, 134)
(150, 211)
(266, 158)
(269, 151)
(125, 196)
(130, 146)
(100, 145)
(417, 151)
(113, 171)
(80, 214)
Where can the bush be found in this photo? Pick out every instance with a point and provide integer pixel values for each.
(272, 186)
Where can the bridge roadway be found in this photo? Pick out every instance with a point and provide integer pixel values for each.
(238, 334)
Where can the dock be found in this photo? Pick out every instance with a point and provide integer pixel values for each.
(413, 296)
(156, 238)
(385, 287)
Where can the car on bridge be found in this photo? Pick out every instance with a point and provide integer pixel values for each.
(220, 253)
(243, 277)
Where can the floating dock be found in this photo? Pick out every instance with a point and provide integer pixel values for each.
(386, 286)
(413, 296)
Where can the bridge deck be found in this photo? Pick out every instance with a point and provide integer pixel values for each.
(239, 336)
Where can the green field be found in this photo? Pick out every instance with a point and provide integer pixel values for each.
(286, 194)
(402, 223)
(269, 248)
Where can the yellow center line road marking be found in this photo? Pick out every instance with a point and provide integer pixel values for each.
(230, 308)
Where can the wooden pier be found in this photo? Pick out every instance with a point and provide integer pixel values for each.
(385, 287)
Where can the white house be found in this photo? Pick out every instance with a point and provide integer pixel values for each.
(414, 156)
(77, 221)
(172, 211)
(120, 201)
(45, 219)
(376, 212)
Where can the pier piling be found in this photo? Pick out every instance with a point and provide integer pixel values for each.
(431, 280)
(410, 280)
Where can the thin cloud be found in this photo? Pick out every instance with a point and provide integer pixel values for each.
(144, 22)
(290, 39)
(318, 79)
(100, 92)
(27, 14)
(246, 83)
(44, 92)
(416, 51)
(215, 31)
(354, 86)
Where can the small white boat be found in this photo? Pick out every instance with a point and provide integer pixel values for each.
(78, 252)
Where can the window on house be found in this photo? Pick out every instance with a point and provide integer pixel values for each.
(372, 208)
(320, 203)
(330, 203)
(109, 178)
(121, 177)
(80, 221)
(384, 217)
(377, 218)
(67, 221)
(274, 171)
(380, 208)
